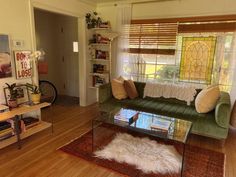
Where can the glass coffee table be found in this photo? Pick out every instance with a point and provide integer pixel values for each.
(178, 130)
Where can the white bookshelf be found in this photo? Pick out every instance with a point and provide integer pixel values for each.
(106, 63)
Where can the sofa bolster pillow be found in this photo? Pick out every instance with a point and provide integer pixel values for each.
(222, 110)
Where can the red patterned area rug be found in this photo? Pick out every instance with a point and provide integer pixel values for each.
(199, 162)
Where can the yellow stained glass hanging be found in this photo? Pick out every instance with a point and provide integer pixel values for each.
(197, 59)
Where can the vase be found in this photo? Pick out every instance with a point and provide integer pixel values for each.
(12, 103)
(35, 98)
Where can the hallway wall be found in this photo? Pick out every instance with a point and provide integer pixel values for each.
(54, 34)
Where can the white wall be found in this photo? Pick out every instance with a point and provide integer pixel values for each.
(168, 9)
(69, 7)
(15, 21)
(183, 8)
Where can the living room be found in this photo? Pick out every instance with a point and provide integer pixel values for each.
(156, 89)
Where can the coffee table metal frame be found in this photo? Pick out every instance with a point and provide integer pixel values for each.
(172, 135)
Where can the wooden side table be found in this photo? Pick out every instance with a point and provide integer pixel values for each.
(16, 115)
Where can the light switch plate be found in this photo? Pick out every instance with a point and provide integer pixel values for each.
(18, 43)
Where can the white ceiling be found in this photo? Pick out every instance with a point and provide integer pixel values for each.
(106, 1)
(133, 1)
(103, 1)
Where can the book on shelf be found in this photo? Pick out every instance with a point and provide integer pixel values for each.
(3, 108)
(4, 125)
(6, 130)
(105, 25)
(97, 81)
(100, 54)
(160, 124)
(127, 115)
(99, 39)
(99, 68)
(6, 136)
(30, 122)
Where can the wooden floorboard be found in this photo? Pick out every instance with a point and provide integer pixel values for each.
(39, 156)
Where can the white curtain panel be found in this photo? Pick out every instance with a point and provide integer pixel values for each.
(232, 68)
(225, 75)
(219, 58)
(124, 17)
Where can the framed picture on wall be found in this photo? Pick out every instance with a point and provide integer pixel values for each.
(5, 57)
(23, 95)
(23, 64)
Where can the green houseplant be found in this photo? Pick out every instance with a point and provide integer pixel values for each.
(93, 20)
(12, 101)
(35, 93)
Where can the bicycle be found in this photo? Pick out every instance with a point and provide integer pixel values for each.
(48, 91)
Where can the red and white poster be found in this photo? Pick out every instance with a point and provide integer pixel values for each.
(23, 64)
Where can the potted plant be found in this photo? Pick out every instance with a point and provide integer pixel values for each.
(93, 20)
(35, 93)
(12, 102)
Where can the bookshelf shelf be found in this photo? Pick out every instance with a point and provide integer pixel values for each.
(99, 60)
(101, 29)
(99, 74)
(99, 44)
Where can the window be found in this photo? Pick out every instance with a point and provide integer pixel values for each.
(182, 50)
(150, 45)
(154, 38)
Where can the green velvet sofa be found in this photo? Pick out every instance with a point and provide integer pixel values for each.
(214, 124)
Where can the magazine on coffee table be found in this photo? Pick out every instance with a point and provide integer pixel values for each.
(126, 115)
(160, 124)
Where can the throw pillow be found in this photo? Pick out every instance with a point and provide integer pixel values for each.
(206, 100)
(130, 89)
(118, 89)
(121, 79)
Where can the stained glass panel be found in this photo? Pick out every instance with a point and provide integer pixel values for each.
(197, 59)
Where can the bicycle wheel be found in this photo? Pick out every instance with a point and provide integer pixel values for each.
(48, 91)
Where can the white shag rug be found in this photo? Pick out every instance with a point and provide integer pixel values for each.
(147, 155)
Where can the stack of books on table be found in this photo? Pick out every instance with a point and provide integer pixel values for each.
(161, 125)
(30, 122)
(126, 116)
(6, 130)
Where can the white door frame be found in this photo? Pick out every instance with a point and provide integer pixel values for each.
(81, 39)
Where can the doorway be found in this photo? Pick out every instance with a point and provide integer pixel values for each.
(57, 36)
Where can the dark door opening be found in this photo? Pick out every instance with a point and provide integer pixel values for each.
(56, 34)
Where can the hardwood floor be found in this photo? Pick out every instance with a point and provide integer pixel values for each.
(39, 156)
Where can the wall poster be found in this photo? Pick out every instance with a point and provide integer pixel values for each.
(23, 64)
(5, 57)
